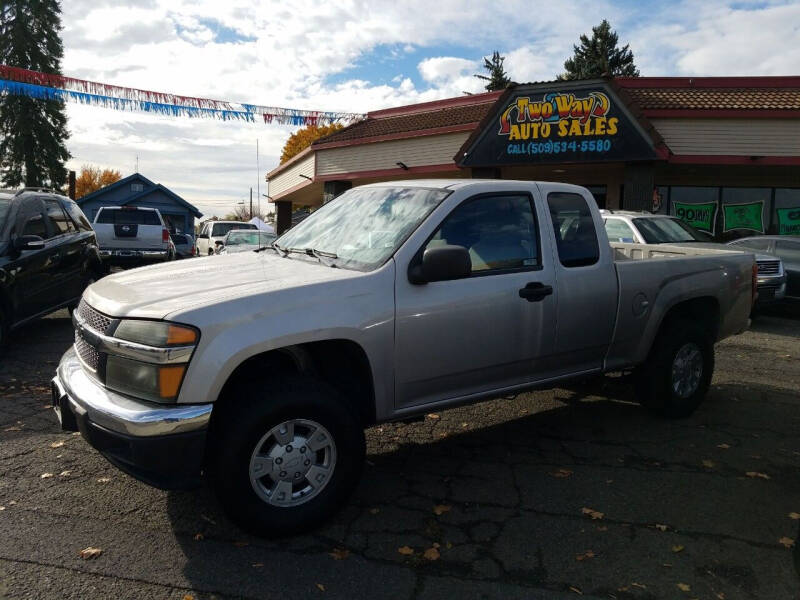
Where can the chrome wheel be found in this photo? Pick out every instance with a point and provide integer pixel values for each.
(687, 370)
(292, 463)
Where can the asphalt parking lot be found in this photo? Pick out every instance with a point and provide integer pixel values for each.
(554, 494)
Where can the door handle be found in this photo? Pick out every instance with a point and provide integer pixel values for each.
(534, 292)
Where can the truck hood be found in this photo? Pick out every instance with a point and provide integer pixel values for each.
(717, 246)
(154, 292)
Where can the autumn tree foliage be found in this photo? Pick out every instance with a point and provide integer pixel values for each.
(92, 179)
(303, 138)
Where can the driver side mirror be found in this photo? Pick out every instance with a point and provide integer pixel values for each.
(28, 242)
(218, 243)
(442, 263)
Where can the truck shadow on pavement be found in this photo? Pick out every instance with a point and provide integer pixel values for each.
(550, 491)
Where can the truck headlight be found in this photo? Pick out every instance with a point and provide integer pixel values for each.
(152, 366)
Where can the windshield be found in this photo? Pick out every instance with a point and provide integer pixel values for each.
(251, 238)
(220, 229)
(668, 231)
(363, 227)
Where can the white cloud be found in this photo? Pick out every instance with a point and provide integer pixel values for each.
(274, 54)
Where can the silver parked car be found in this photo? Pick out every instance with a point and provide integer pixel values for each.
(784, 247)
(244, 240)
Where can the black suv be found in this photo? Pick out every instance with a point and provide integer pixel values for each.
(48, 255)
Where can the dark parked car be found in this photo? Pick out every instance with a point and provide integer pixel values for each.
(48, 255)
(785, 247)
(184, 245)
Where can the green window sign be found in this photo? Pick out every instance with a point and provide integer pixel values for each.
(699, 216)
(789, 221)
(743, 216)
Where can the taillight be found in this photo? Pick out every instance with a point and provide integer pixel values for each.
(164, 235)
(192, 250)
(754, 289)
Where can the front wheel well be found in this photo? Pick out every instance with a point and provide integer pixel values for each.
(340, 363)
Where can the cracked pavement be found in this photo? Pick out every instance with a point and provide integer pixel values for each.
(508, 492)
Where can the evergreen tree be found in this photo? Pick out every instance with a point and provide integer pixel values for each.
(33, 132)
(599, 56)
(497, 78)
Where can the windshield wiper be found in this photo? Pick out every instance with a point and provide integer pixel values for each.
(318, 254)
(280, 250)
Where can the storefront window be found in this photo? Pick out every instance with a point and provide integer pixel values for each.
(599, 192)
(695, 205)
(786, 216)
(745, 212)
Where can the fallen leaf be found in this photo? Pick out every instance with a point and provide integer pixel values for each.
(431, 554)
(602, 528)
(90, 553)
(208, 519)
(757, 474)
(45, 476)
(465, 424)
(592, 513)
(561, 473)
(721, 595)
(56, 444)
(708, 464)
(661, 527)
(188, 597)
(683, 587)
(320, 587)
(786, 542)
(13, 429)
(449, 545)
(677, 548)
(609, 481)
(339, 553)
(374, 511)
(2, 507)
(240, 544)
(585, 555)
(405, 551)
(638, 585)
(794, 516)
(258, 565)
(64, 473)
(723, 446)
(432, 416)
(199, 537)
(578, 591)
(440, 509)
(104, 480)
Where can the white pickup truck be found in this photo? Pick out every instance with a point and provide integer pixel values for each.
(132, 235)
(261, 370)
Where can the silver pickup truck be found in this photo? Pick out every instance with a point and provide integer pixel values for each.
(261, 370)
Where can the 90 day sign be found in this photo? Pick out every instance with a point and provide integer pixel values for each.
(700, 216)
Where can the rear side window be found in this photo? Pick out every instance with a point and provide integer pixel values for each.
(120, 216)
(619, 231)
(576, 237)
(498, 231)
(77, 215)
(61, 222)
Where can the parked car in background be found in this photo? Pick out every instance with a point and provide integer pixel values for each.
(184, 244)
(132, 236)
(784, 247)
(260, 371)
(214, 231)
(48, 255)
(647, 228)
(244, 240)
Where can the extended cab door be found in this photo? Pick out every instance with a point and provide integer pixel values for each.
(487, 331)
(586, 280)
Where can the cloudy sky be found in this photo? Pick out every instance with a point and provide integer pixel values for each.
(356, 57)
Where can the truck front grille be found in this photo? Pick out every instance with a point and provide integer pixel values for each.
(88, 355)
(96, 320)
(768, 267)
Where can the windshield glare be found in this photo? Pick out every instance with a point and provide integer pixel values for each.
(364, 226)
(251, 238)
(5, 204)
(668, 231)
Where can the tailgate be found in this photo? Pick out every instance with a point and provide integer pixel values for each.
(129, 235)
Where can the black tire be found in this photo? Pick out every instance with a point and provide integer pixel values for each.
(655, 389)
(249, 412)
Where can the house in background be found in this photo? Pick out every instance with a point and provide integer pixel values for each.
(138, 190)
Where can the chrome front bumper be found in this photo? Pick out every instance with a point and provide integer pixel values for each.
(162, 445)
(119, 413)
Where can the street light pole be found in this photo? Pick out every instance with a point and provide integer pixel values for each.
(251, 202)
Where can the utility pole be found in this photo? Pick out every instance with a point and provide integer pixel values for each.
(251, 202)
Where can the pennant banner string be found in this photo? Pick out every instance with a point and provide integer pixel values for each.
(17, 81)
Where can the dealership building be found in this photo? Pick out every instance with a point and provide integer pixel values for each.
(721, 152)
